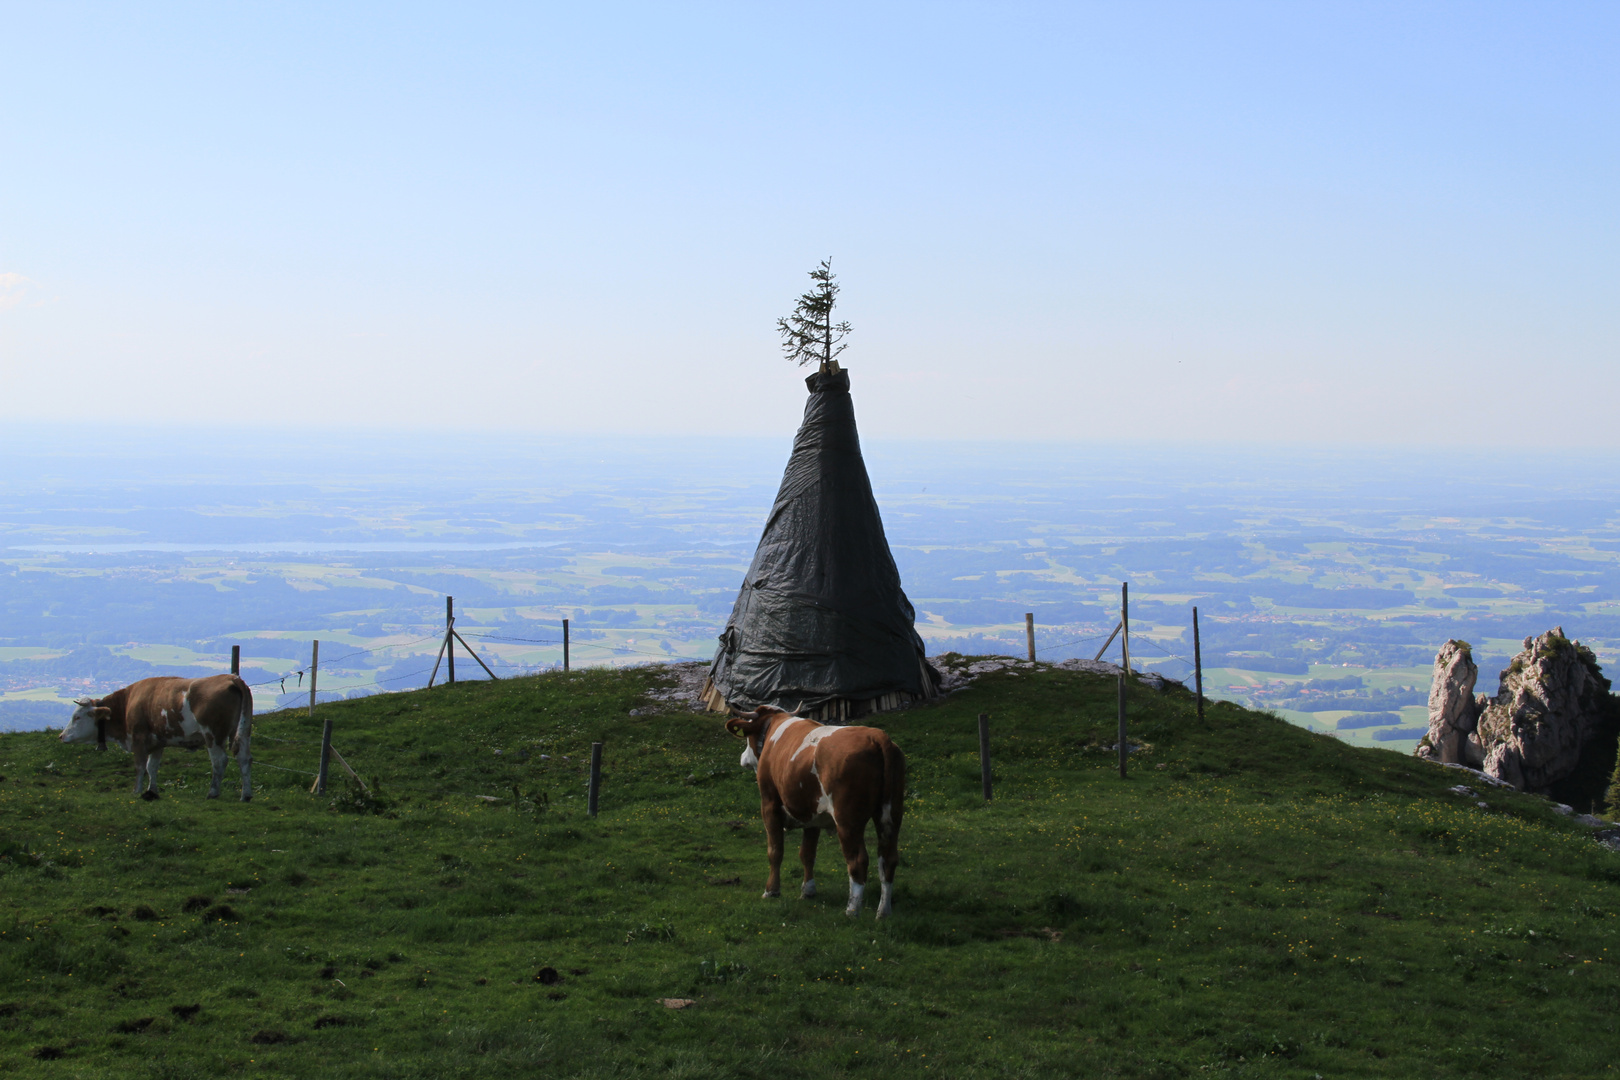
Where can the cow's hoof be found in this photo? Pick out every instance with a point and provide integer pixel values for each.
(807, 891)
(149, 795)
(768, 895)
(247, 798)
(212, 795)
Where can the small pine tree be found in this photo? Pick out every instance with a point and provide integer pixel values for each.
(809, 333)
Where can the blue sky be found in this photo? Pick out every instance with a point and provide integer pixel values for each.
(1295, 223)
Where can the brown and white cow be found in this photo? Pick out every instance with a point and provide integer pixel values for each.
(153, 714)
(815, 776)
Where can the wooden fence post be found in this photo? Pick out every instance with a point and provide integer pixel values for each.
(595, 789)
(236, 659)
(565, 644)
(1125, 624)
(449, 642)
(1122, 745)
(1029, 633)
(1198, 668)
(1112, 635)
(326, 729)
(984, 753)
(474, 654)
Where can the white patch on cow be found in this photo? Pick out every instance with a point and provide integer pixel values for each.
(886, 897)
(856, 890)
(782, 727)
(808, 889)
(188, 720)
(153, 760)
(824, 809)
(749, 761)
(812, 740)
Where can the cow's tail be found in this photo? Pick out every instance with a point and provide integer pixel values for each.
(894, 789)
(241, 739)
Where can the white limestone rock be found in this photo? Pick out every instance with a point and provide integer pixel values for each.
(1453, 711)
(1550, 706)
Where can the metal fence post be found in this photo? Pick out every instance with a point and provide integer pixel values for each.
(594, 791)
(984, 753)
(1123, 750)
(449, 637)
(326, 729)
(1125, 625)
(1198, 668)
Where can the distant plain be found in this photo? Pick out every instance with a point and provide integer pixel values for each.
(1325, 580)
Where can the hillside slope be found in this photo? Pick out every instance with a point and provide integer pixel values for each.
(1254, 897)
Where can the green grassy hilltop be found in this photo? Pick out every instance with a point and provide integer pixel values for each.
(1255, 898)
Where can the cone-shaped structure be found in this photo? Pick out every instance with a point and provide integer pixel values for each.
(821, 625)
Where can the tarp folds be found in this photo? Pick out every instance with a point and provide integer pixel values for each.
(821, 618)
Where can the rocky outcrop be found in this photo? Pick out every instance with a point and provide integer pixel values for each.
(1453, 709)
(1552, 703)
(1550, 719)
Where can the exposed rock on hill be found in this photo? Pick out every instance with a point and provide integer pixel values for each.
(1552, 704)
(1551, 723)
(1453, 712)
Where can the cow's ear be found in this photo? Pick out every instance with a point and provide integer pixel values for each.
(101, 712)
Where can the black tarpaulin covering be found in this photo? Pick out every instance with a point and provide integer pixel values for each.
(821, 622)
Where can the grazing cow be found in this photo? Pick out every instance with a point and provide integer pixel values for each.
(815, 776)
(216, 713)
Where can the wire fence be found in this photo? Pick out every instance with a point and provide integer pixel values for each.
(1066, 644)
(509, 668)
(1170, 655)
(335, 661)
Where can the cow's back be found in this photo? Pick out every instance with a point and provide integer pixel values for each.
(815, 769)
(150, 703)
(187, 713)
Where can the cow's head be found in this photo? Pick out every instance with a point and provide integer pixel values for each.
(89, 723)
(752, 726)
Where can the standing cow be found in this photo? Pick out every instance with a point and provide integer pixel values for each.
(815, 776)
(147, 717)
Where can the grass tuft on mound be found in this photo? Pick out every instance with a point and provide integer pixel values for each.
(1254, 898)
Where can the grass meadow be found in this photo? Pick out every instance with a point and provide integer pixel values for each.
(1254, 899)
